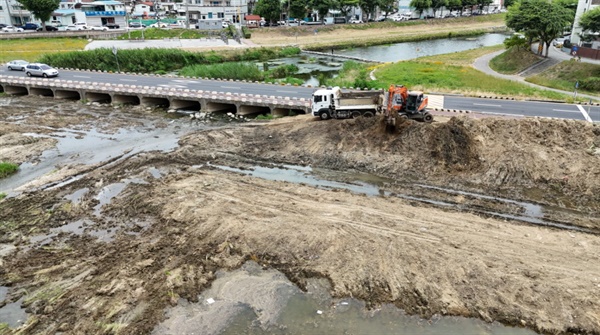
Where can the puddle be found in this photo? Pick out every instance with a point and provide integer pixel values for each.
(76, 196)
(3, 293)
(106, 194)
(155, 172)
(371, 185)
(90, 147)
(13, 315)
(252, 300)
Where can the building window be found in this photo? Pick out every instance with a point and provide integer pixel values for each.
(220, 15)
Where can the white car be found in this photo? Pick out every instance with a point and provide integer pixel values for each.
(98, 28)
(40, 70)
(159, 25)
(12, 29)
(77, 26)
(355, 21)
(18, 65)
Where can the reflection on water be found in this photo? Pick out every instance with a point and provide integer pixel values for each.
(410, 50)
(253, 300)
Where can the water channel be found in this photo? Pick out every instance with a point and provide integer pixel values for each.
(313, 69)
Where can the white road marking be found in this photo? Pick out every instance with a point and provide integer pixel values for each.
(172, 86)
(501, 113)
(186, 81)
(564, 110)
(487, 105)
(82, 77)
(233, 87)
(128, 79)
(586, 116)
(436, 101)
(283, 91)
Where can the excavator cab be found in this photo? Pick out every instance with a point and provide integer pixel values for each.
(414, 102)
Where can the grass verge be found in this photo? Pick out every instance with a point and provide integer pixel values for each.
(157, 33)
(6, 169)
(32, 49)
(450, 73)
(513, 61)
(564, 75)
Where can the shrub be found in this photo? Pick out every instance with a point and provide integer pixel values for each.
(283, 71)
(246, 32)
(590, 84)
(516, 41)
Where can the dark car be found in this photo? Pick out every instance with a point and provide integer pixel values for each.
(112, 26)
(48, 28)
(2, 25)
(136, 25)
(30, 26)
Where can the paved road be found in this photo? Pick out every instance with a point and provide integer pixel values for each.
(518, 108)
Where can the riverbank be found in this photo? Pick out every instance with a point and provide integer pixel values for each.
(348, 35)
(125, 239)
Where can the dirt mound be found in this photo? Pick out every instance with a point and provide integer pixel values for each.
(542, 160)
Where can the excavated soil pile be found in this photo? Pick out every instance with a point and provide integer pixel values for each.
(178, 219)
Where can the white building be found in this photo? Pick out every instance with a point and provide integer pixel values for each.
(582, 7)
(228, 10)
(13, 13)
(99, 13)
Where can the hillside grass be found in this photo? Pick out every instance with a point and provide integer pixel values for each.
(513, 61)
(7, 168)
(157, 33)
(32, 49)
(564, 75)
(450, 73)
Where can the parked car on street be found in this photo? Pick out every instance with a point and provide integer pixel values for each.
(355, 21)
(2, 25)
(30, 26)
(40, 70)
(48, 28)
(98, 28)
(18, 65)
(112, 26)
(77, 26)
(159, 25)
(136, 25)
(12, 29)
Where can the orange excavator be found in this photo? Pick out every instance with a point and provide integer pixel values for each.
(403, 104)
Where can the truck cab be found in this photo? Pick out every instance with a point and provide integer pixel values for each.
(322, 101)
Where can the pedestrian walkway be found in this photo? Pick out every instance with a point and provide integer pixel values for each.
(482, 64)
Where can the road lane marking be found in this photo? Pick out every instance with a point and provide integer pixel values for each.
(564, 110)
(234, 87)
(128, 79)
(487, 105)
(586, 116)
(82, 77)
(436, 101)
(521, 115)
(283, 91)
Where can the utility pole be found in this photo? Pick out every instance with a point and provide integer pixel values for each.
(187, 15)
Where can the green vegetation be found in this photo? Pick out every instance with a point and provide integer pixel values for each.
(564, 75)
(238, 70)
(6, 169)
(157, 33)
(32, 49)
(465, 58)
(153, 60)
(513, 60)
(2, 195)
(438, 74)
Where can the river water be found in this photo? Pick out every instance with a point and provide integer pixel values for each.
(409, 50)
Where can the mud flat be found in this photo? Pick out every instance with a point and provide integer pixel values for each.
(115, 249)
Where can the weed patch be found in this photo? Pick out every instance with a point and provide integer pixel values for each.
(6, 169)
(513, 60)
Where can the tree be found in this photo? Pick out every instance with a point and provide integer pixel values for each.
(344, 6)
(388, 6)
(368, 7)
(482, 3)
(438, 4)
(298, 9)
(454, 4)
(508, 3)
(590, 20)
(538, 19)
(321, 6)
(467, 3)
(269, 9)
(41, 9)
(420, 5)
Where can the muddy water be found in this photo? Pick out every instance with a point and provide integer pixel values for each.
(252, 300)
(373, 186)
(13, 315)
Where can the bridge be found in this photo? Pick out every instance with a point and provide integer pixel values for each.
(170, 98)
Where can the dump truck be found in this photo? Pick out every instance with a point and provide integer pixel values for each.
(396, 103)
(343, 104)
